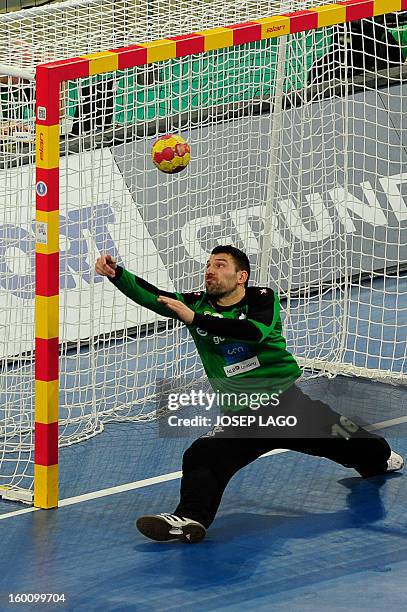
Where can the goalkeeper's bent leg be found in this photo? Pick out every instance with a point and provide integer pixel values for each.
(208, 465)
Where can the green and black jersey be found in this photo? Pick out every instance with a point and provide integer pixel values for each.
(241, 344)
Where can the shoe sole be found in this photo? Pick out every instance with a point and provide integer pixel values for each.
(158, 529)
(396, 469)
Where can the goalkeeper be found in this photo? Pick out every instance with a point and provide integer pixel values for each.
(238, 334)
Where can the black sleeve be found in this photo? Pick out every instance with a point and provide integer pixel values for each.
(231, 328)
(263, 313)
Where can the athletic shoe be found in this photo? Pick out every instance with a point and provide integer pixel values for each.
(395, 462)
(166, 527)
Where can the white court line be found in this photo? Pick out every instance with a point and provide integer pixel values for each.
(17, 512)
(120, 488)
(146, 482)
(384, 424)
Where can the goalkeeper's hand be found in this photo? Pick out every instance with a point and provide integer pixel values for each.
(106, 266)
(181, 310)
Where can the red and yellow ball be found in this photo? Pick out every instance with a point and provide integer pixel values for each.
(171, 153)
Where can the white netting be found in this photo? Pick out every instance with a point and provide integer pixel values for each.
(68, 29)
(298, 157)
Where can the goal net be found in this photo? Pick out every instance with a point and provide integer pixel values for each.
(296, 124)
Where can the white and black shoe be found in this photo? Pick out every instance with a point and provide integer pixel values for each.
(394, 463)
(166, 527)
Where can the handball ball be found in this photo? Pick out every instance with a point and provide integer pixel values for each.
(171, 153)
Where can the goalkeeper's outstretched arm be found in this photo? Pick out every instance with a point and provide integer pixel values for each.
(134, 287)
(262, 316)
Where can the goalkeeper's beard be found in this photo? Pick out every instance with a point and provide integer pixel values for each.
(216, 290)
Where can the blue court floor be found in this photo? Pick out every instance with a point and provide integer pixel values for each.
(293, 532)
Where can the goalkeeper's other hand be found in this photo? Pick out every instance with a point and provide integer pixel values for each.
(106, 266)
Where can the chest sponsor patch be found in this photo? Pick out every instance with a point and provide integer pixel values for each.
(233, 352)
(241, 366)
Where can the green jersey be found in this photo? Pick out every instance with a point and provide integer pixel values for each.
(241, 346)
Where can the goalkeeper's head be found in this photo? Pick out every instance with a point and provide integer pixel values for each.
(227, 269)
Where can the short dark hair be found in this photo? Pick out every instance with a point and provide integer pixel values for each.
(241, 260)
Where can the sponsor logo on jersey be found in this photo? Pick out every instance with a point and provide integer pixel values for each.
(241, 367)
(234, 352)
(213, 314)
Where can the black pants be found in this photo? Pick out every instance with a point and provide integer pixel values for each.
(211, 461)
